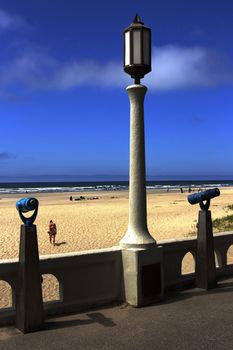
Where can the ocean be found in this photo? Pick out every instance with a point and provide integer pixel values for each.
(50, 187)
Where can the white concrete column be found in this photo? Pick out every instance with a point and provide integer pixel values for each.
(137, 235)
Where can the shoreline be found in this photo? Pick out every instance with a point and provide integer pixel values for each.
(38, 188)
(106, 192)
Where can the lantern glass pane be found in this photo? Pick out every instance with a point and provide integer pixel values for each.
(137, 47)
(127, 49)
(146, 47)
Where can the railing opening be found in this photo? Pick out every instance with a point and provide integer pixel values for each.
(230, 255)
(5, 295)
(50, 288)
(188, 264)
(218, 259)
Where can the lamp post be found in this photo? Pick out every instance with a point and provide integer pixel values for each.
(137, 63)
(142, 258)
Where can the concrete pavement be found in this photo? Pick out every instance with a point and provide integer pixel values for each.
(186, 320)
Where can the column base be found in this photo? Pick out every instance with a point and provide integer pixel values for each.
(137, 240)
(143, 276)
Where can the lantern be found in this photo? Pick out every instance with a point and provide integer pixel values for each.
(137, 50)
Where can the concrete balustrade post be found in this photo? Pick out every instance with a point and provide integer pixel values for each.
(29, 301)
(206, 277)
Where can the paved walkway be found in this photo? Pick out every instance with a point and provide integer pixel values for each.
(191, 319)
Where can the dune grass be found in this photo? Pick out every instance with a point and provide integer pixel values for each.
(230, 207)
(220, 224)
(223, 224)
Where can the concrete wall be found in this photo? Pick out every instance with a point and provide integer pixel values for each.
(93, 278)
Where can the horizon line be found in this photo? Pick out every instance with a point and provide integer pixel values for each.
(109, 178)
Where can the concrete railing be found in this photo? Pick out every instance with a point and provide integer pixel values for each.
(174, 252)
(94, 278)
(86, 279)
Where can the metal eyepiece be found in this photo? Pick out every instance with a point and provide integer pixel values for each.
(25, 205)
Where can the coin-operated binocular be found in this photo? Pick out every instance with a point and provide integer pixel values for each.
(29, 302)
(200, 197)
(25, 205)
(205, 259)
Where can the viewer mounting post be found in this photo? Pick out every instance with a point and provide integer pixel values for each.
(142, 259)
(205, 260)
(29, 302)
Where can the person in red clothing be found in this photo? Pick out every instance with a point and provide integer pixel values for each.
(52, 232)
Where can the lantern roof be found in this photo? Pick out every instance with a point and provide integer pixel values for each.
(137, 20)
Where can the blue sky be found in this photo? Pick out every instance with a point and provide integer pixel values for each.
(64, 109)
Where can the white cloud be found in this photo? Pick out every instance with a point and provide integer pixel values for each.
(177, 67)
(33, 69)
(174, 67)
(37, 70)
(9, 22)
(88, 73)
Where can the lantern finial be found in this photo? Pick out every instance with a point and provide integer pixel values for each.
(137, 20)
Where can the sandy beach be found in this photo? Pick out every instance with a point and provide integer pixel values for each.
(100, 223)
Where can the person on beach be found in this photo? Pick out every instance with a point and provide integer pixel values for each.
(52, 232)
